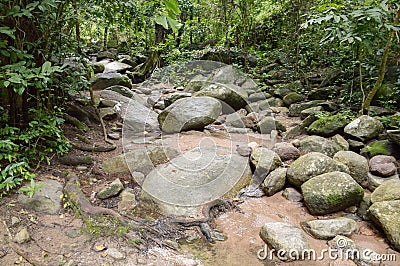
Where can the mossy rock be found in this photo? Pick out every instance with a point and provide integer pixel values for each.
(331, 192)
(381, 147)
(328, 126)
(293, 97)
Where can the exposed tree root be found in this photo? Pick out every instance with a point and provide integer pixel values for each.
(80, 203)
(219, 204)
(20, 251)
(93, 147)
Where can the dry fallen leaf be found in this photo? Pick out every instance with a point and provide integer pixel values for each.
(99, 247)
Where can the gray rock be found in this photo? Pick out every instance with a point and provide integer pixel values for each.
(293, 97)
(279, 110)
(189, 113)
(275, 102)
(235, 120)
(357, 164)
(269, 124)
(355, 145)
(117, 67)
(394, 135)
(386, 214)
(136, 115)
(375, 181)
(328, 229)
(274, 182)
(128, 200)
(292, 195)
(22, 236)
(111, 54)
(362, 210)
(284, 237)
(383, 165)
(339, 140)
(194, 178)
(124, 91)
(111, 190)
(310, 165)
(286, 151)
(342, 243)
(310, 111)
(105, 80)
(234, 96)
(264, 161)
(295, 109)
(46, 200)
(115, 254)
(388, 191)
(364, 128)
(121, 94)
(323, 93)
(331, 192)
(258, 96)
(319, 144)
(139, 160)
(176, 96)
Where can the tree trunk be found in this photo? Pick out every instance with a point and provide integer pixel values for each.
(382, 69)
(152, 61)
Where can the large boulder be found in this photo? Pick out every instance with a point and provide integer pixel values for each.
(329, 228)
(311, 165)
(357, 164)
(105, 80)
(138, 160)
(319, 144)
(117, 67)
(364, 128)
(46, 200)
(386, 214)
(331, 192)
(388, 191)
(194, 178)
(234, 96)
(189, 114)
(285, 238)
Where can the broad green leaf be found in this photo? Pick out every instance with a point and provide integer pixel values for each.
(7, 31)
(46, 67)
(175, 25)
(172, 6)
(162, 20)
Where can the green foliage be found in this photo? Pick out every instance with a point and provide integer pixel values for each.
(32, 189)
(21, 149)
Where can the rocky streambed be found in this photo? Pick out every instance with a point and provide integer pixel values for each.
(298, 183)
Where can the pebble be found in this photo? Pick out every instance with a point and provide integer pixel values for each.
(115, 254)
(22, 236)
